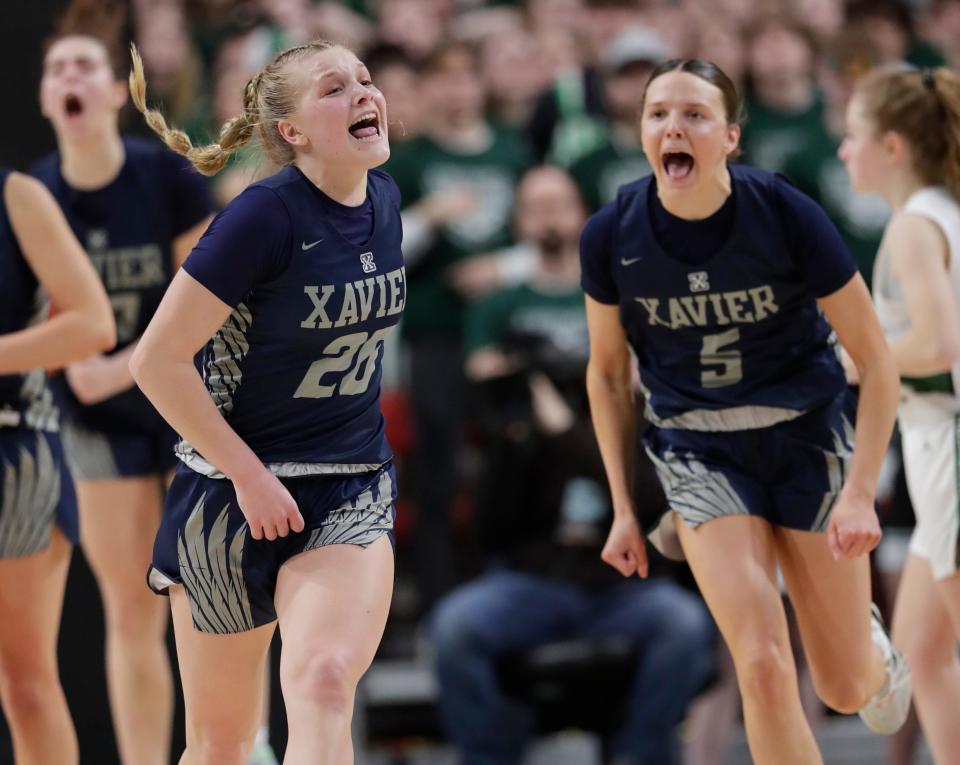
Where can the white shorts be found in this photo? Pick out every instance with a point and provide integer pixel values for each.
(931, 458)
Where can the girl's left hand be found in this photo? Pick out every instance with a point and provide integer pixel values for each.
(854, 527)
(98, 378)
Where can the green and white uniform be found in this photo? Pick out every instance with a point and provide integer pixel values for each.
(929, 410)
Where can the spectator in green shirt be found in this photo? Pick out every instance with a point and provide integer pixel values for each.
(619, 159)
(784, 104)
(457, 181)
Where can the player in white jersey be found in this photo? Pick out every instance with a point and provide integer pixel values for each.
(903, 142)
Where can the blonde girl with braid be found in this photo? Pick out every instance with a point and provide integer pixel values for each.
(281, 511)
(903, 142)
(137, 209)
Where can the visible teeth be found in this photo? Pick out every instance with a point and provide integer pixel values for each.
(370, 116)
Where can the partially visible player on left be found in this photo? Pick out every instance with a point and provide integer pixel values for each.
(138, 209)
(38, 514)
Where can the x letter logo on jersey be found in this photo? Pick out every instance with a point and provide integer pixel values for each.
(699, 281)
(366, 262)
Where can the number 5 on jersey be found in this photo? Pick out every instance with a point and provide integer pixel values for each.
(355, 355)
(728, 362)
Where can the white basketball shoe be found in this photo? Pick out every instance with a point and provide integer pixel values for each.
(888, 708)
(262, 754)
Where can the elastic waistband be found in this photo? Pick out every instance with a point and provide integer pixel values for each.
(10, 418)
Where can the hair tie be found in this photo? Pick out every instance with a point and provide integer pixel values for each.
(926, 76)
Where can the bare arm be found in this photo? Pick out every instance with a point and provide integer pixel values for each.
(84, 323)
(613, 410)
(100, 377)
(854, 526)
(162, 366)
(422, 219)
(918, 256)
(487, 363)
(612, 406)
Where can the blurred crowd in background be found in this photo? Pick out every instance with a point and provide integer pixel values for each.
(484, 394)
(478, 93)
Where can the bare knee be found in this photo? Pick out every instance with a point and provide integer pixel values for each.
(218, 742)
(927, 656)
(26, 689)
(134, 616)
(322, 678)
(847, 688)
(844, 693)
(766, 674)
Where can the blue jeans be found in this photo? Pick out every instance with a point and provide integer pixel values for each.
(506, 611)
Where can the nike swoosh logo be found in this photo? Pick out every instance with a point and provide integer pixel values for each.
(304, 246)
(630, 262)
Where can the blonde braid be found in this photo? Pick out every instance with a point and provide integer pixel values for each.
(234, 134)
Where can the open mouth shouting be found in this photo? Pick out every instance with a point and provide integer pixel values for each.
(678, 165)
(72, 105)
(366, 127)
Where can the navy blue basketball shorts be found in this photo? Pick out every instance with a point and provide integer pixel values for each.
(204, 542)
(790, 474)
(36, 492)
(94, 455)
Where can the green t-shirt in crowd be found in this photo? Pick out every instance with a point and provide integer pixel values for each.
(422, 167)
(818, 172)
(770, 135)
(557, 317)
(552, 510)
(600, 173)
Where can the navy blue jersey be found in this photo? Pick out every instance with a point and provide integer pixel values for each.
(736, 341)
(128, 228)
(296, 367)
(24, 398)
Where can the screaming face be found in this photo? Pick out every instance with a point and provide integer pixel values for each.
(78, 92)
(685, 132)
(341, 117)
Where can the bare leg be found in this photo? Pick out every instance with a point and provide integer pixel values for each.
(222, 687)
(118, 521)
(832, 602)
(333, 604)
(923, 630)
(902, 745)
(262, 753)
(31, 597)
(949, 590)
(732, 559)
(713, 717)
(812, 706)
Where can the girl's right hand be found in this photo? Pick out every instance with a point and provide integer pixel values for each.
(625, 549)
(269, 508)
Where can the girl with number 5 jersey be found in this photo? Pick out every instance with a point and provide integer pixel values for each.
(722, 279)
